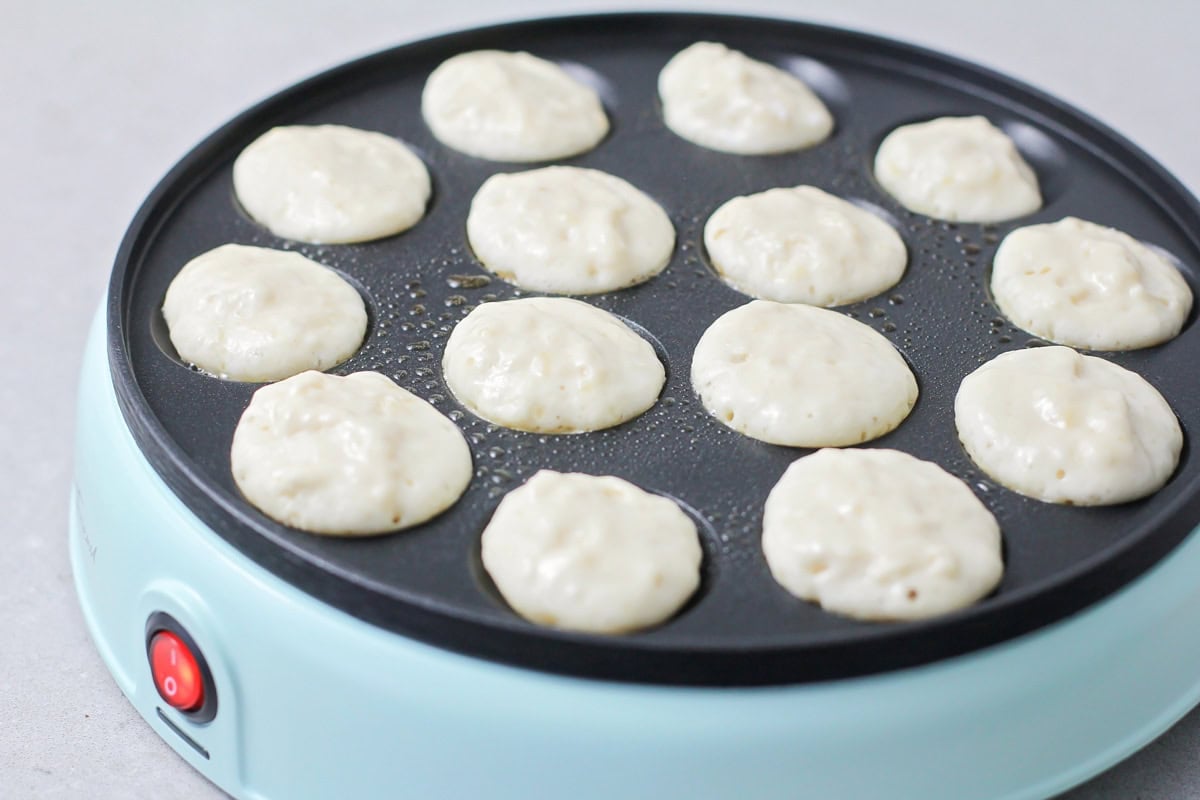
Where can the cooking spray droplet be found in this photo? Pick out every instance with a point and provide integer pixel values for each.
(417, 310)
(434, 399)
(876, 313)
(456, 300)
(495, 452)
(400, 374)
(416, 293)
(970, 249)
(889, 327)
(421, 345)
(487, 298)
(1004, 339)
(424, 372)
(468, 281)
(455, 415)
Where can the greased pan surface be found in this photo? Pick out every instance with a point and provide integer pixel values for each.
(741, 628)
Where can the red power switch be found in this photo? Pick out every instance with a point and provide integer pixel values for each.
(176, 672)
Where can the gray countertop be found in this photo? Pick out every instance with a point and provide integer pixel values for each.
(101, 99)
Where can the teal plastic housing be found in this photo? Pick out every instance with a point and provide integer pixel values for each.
(314, 703)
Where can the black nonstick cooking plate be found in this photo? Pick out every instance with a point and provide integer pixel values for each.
(741, 628)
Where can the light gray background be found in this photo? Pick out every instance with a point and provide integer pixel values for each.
(100, 99)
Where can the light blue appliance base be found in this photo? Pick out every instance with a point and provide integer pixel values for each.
(314, 703)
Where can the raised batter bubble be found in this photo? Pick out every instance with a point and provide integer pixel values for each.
(959, 169)
(330, 184)
(591, 553)
(256, 314)
(724, 100)
(568, 230)
(1081, 284)
(1063, 427)
(347, 456)
(551, 365)
(803, 245)
(506, 106)
(880, 535)
(801, 376)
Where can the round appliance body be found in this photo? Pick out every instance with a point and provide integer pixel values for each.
(315, 703)
(387, 667)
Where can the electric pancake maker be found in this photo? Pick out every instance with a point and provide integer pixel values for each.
(284, 665)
